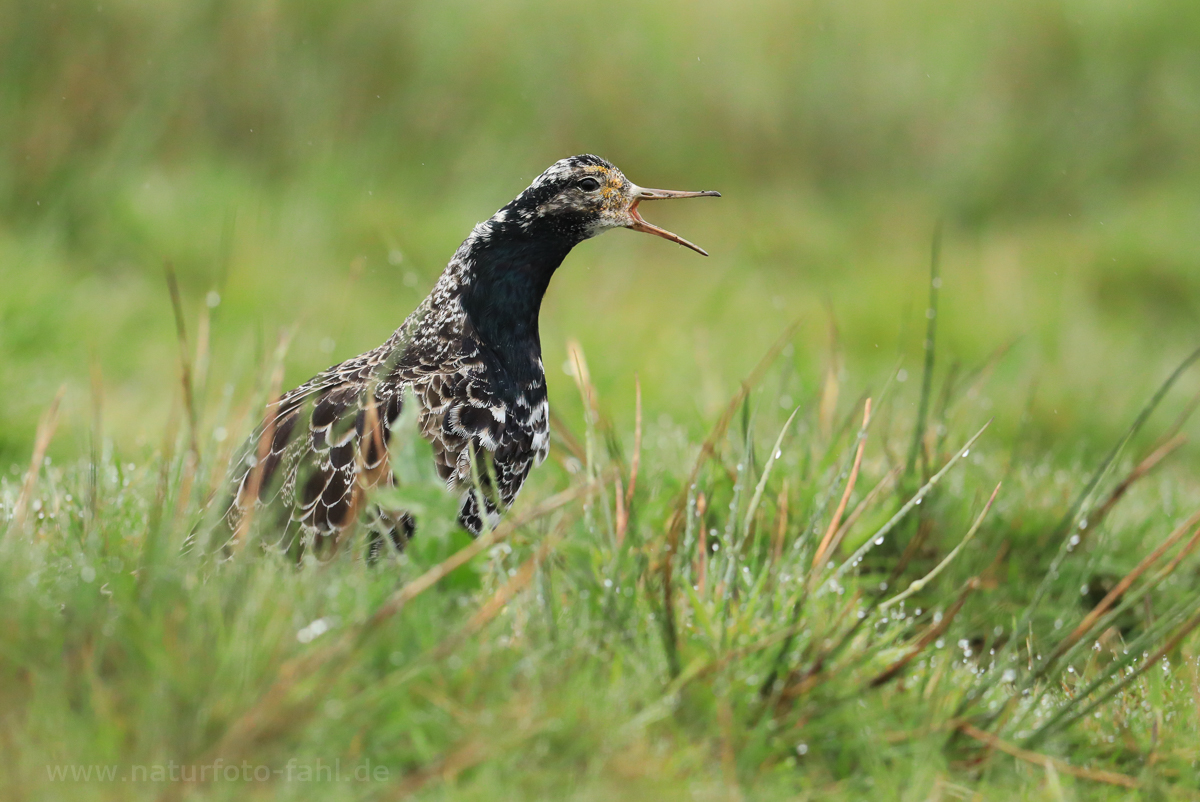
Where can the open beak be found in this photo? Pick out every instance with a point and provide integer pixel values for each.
(638, 224)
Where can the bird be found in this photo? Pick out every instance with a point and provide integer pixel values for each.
(469, 357)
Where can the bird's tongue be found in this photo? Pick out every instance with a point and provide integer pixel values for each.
(640, 224)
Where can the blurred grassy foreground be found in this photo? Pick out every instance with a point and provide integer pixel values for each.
(310, 167)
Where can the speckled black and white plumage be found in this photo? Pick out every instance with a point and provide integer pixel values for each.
(469, 356)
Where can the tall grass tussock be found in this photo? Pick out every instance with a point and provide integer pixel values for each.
(803, 602)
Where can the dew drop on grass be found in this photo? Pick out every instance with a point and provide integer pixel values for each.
(87, 574)
(802, 749)
(879, 541)
(312, 631)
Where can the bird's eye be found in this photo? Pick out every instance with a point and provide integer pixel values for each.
(589, 185)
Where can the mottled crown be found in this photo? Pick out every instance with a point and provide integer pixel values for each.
(566, 169)
(575, 198)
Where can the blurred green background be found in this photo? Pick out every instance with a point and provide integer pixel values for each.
(315, 164)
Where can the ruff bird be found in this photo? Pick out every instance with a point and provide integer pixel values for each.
(469, 356)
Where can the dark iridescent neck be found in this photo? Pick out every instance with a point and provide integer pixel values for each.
(509, 269)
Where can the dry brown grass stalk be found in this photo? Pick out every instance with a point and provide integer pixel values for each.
(503, 595)
(929, 636)
(1140, 470)
(401, 597)
(701, 546)
(622, 512)
(781, 522)
(250, 503)
(1111, 597)
(45, 433)
(820, 557)
(1038, 759)
(624, 506)
(873, 495)
(470, 752)
(185, 358)
(637, 438)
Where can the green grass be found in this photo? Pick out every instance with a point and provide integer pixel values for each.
(308, 168)
(547, 666)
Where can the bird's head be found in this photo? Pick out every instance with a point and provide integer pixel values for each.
(583, 196)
